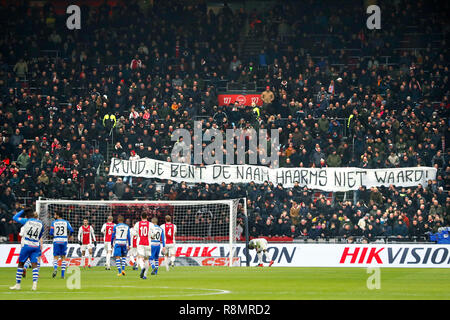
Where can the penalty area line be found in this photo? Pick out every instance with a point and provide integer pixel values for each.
(37, 292)
(210, 292)
(214, 291)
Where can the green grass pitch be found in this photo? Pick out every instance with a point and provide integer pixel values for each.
(224, 283)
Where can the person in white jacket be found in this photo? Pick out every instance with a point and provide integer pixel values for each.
(260, 245)
(133, 156)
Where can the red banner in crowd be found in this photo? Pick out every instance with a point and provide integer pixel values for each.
(243, 99)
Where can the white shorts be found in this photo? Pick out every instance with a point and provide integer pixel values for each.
(144, 251)
(171, 249)
(133, 252)
(262, 249)
(85, 247)
(108, 246)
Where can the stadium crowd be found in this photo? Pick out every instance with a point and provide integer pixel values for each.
(130, 77)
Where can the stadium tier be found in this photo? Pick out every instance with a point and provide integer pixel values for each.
(340, 96)
(256, 150)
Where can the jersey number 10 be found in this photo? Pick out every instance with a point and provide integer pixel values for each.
(144, 231)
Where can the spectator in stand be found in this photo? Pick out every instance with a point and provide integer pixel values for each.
(136, 63)
(267, 98)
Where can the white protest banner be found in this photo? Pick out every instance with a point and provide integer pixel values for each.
(326, 179)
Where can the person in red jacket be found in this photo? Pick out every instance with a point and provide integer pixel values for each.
(136, 63)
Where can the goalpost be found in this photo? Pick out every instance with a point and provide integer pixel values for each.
(198, 221)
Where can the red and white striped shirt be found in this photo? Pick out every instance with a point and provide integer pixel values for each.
(107, 230)
(142, 229)
(86, 235)
(135, 64)
(169, 232)
(134, 239)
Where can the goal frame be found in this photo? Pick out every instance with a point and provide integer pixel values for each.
(229, 202)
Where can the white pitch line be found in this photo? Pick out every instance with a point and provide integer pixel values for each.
(177, 295)
(215, 292)
(138, 287)
(36, 292)
(218, 291)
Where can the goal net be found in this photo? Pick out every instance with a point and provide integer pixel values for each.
(214, 221)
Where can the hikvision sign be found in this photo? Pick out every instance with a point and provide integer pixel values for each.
(188, 254)
(283, 255)
(436, 255)
(373, 255)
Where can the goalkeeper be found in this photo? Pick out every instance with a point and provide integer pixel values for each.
(260, 245)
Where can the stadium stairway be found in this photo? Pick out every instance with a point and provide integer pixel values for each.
(250, 45)
(109, 151)
(250, 48)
